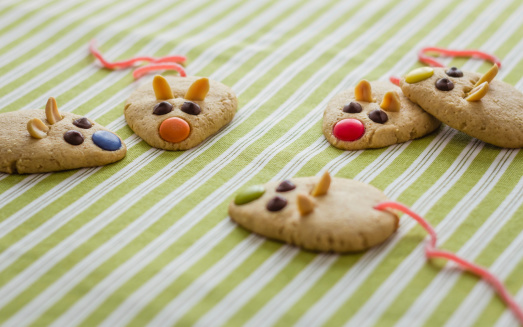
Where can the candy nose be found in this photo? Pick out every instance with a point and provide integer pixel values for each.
(349, 129)
(174, 130)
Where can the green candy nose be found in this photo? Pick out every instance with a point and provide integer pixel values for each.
(249, 194)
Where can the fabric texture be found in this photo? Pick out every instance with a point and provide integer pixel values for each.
(147, 240)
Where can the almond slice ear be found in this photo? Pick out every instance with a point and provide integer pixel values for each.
(488, 76)
(391, 101)
(162, 89)
(478, 92)
(363, 91)
(37, 128)
(305, 204)
(51, 111)
(323, 185)
(198, 90)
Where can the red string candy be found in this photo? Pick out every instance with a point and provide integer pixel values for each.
(162, 63)
(424, 58)
(431, 251)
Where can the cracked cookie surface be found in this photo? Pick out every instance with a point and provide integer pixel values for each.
(386, 117)
(340, 219)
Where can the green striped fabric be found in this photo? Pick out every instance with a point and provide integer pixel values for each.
(147, 240)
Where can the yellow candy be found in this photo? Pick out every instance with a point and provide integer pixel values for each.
(419, 74)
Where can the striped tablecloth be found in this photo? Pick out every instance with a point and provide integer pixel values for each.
(148, 241)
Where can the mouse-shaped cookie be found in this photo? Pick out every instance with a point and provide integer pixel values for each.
(374, 115)
(319, 214)
(178, 113)
(37, 141)
(475, 104)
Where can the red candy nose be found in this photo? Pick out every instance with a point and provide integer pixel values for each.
(349, 129)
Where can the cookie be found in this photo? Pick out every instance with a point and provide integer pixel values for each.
(38, 141)
(374, 115)
(178, 113)
(475, 104)
(319, 214)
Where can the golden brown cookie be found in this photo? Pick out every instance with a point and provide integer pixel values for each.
(178, 113)
(374, 115)
(475, 104)
(37, 141)
(319, 214)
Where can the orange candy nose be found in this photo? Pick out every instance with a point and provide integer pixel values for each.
(174, 130)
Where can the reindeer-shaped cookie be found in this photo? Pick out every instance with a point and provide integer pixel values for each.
(374, 115)
(319, 214)
(36, 141)
(178, 113)
(478, 105)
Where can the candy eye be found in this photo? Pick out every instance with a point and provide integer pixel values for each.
(378, 116)
(285, 186)
(454, 72)
(162, 108)
(74, 137)
(82, 123)
(276, 203)
(352, 108)
(191, 108)
(444, 84)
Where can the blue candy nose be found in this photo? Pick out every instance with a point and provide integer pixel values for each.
(107, 140)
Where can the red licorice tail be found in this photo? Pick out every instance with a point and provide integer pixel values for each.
(454, 53)
(395, 80)
(169, 62)
(139, 72)
(432, 252)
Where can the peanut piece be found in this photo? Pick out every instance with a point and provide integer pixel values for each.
(488, 76)
(323, 185)
(391, 102)
(37, 128)
(363, 91)
(162, 89)
(305, 204)
(51, 111)
(478, 92)
(198, 90)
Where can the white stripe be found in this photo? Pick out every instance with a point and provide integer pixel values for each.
(149, 13)
(437, 290)
(21, 10)
(508, 318)
(45, 33)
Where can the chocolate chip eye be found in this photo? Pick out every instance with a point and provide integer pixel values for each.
(162, 108)
(454, 72)
(276, 203)
(191, 108)
(82, 123)
(285, 186)
(444, 84)
(378, 116)
(352, 108)
(74, 137)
